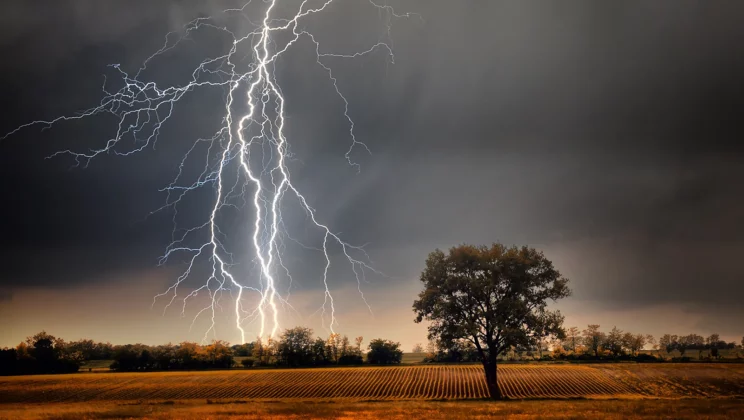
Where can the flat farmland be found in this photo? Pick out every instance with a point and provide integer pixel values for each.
(449, 382)
(573, 409)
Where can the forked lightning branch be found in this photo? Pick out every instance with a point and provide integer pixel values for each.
(251, 152)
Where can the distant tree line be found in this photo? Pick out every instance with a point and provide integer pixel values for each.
(693, 342)
(588, 344)
(186, 355)
(296, 347)
(40, 353)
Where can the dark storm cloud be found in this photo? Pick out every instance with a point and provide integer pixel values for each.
(608, 132)
(5, 296)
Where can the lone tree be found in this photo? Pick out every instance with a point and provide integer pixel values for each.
(495, 297)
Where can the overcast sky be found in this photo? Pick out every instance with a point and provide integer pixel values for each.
(606, 134)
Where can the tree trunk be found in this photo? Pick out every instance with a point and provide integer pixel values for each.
(491, 378)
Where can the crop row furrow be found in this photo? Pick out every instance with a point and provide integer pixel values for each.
(378, 383)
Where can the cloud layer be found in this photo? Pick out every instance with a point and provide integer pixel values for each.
(606, 134)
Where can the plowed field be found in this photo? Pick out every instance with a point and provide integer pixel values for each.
(384, 383)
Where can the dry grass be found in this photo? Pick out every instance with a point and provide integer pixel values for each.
(612, 391)
(408, 410)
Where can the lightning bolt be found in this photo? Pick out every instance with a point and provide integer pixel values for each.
(253, 124)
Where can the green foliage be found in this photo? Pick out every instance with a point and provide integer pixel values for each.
(682, 344)
(384, 352)
(453, 352)
(614, 341)
(40, 353)
(186, 355)
(496, 297)
(164, 357)
(90, 350)
(218, 354)
(351, 359)
(573, 339)
(333, 348)
(320, 356)
(633, 343)
(243, 350)
(593, 338)
(296, 347)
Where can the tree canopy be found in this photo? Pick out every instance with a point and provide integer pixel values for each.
(495, 297)
(296, 347)
(384, 352)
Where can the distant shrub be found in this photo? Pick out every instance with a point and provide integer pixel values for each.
(247, 362)
(350, 359)
(683, 359)
(644, 358)
(383, 352)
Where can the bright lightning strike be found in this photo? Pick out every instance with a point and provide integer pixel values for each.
(253, 124)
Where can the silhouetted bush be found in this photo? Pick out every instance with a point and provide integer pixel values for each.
(383, 352)
(646, 358)
(350, 359)
(40, 353)
(8, 362)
